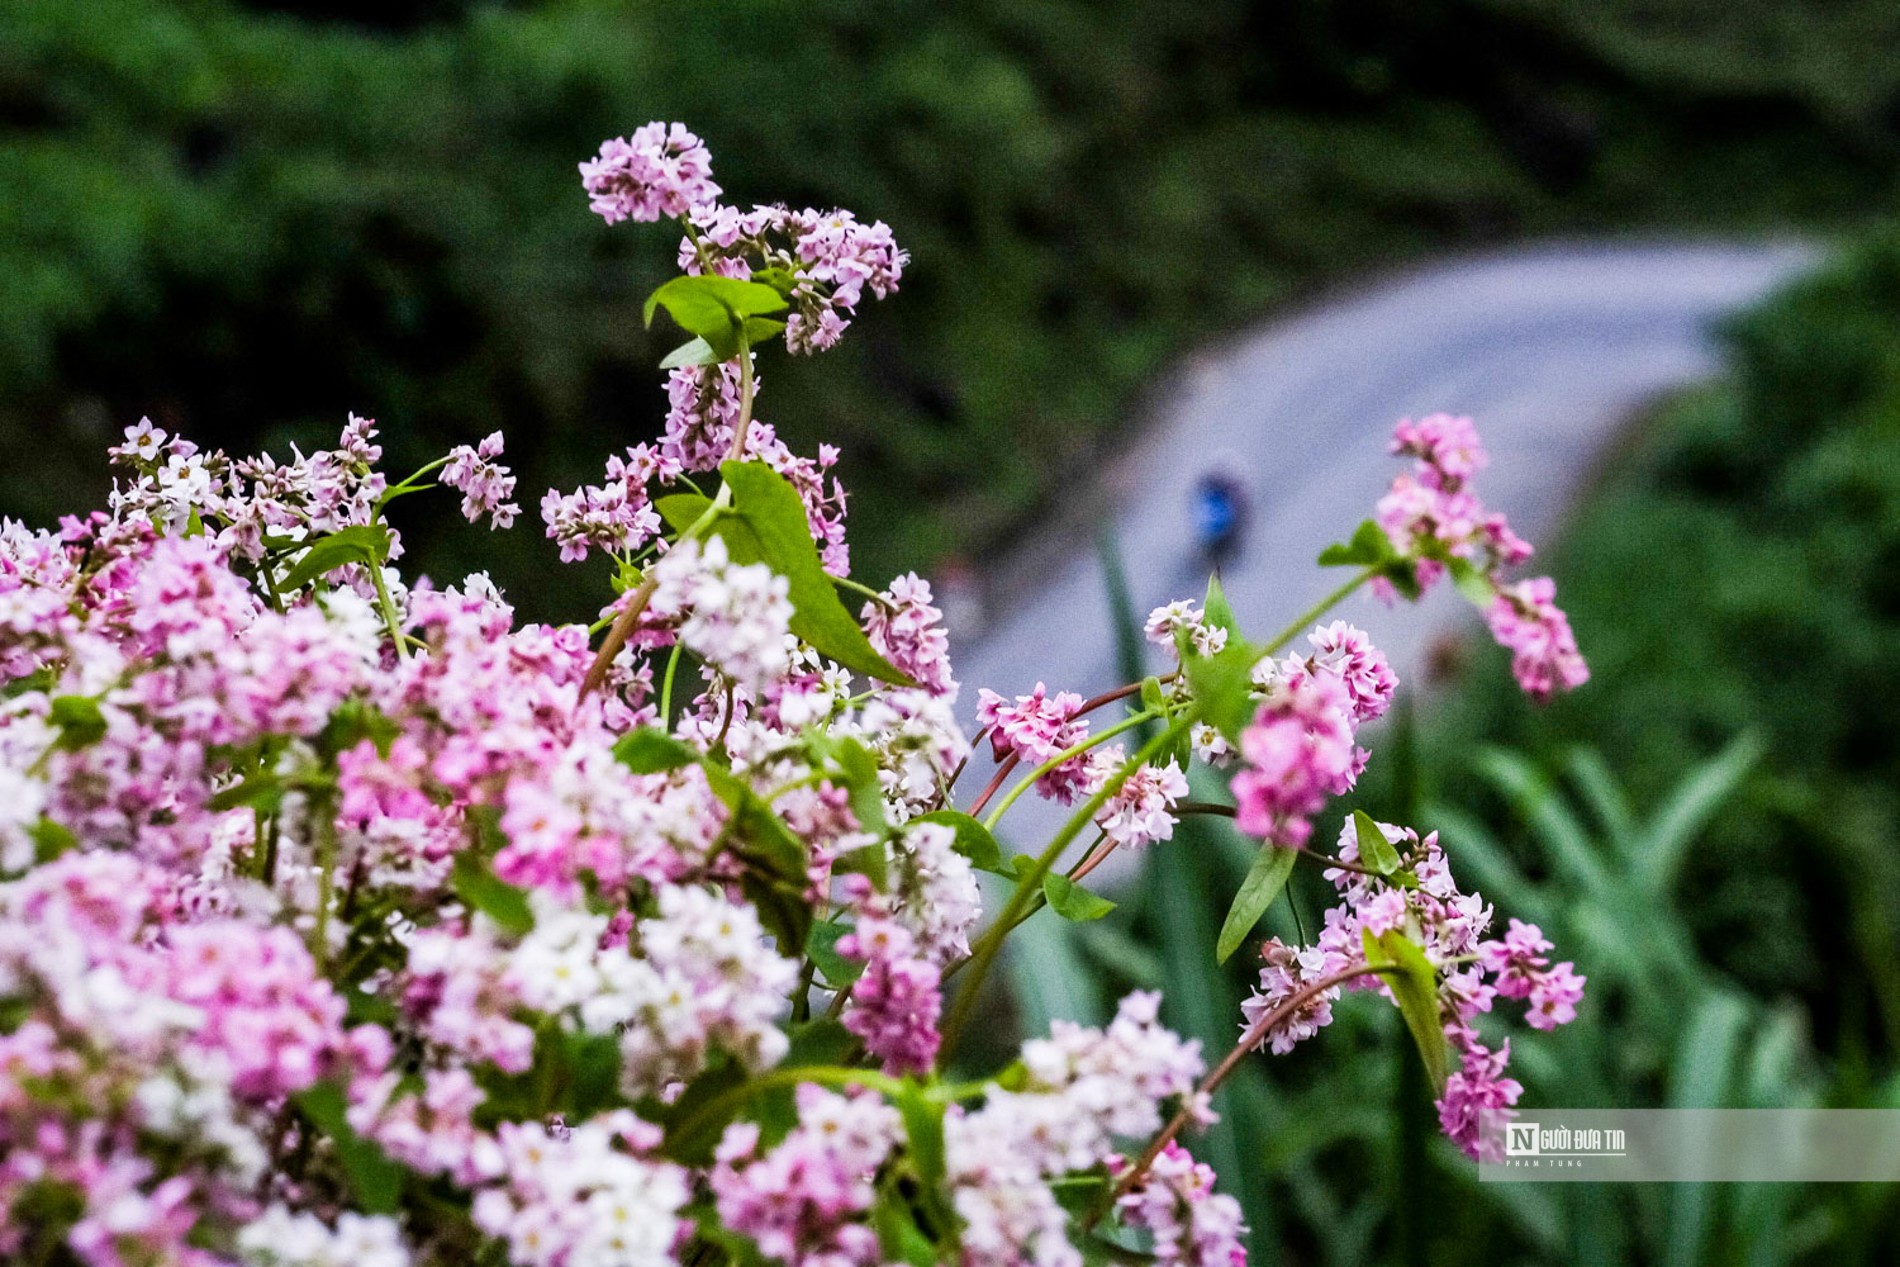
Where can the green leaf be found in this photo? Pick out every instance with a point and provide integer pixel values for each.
(824, 1041)
(650, 751)
(1222, 683)
(1415, 985)
(691, 1134)
(872, 861)
(1265, 878)
(781, 538)
(1477, 588)
(822, 948)
(367, 544)
(50, 840)
(593, 1073)
(695, 351)
(1369, 546)
(375, 1177)
(780, 279)
(1153, 698)
(682, 510)
(363, 1008)
(714, 308)
(80, 722)
(923, 1116)
(759, 329)
(774, 860)
(763, 838)
(1071, 901)
(923, 1121)
(262, 791)
(850, 765)
(1375, 850)
(482, 890)
(1217, 610)
(974, 840)
(898, 1234)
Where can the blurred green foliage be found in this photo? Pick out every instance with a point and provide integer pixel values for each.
(246, 219)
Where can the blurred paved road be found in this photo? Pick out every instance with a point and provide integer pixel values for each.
(1548, 348)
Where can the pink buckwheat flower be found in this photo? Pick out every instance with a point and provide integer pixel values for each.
(1034, 729)
(1348, 653)
(1477, 1095)
(485, 484)
(661, 170)
(1527, 622)
(1141, 812)
(908, 632)
(1192, 1225)
(1298, 751)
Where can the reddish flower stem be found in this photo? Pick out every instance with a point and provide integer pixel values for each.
(1248, 1041)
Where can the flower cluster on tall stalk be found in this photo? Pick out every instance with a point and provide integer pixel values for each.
(346, 919)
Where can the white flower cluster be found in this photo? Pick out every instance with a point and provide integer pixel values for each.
(1087, 1088)
(279, 1238)
(704, 976)
(579, 1196)
(937, 890)
(736, 618)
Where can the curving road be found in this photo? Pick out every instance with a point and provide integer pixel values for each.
(1549, 348)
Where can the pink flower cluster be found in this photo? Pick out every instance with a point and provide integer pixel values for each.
(830, 257)
(1526, 621)
(1301, 746)
(484, 485)
(661, 170)
(804, 1201)
(1433, 518)
(1431, 514)
(1421, 901)
(1175, 1203)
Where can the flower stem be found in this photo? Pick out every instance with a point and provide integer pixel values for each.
(1029, 885)
(1015, 793)
(719, 1107)
(642, 595)
(1002, 772)
(1312, 614)
(388, 605)
(666, 689)
(1248, 1041)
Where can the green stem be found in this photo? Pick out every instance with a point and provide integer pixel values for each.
(720, 1106)
(858, 587)
(1029, 886)
(666, 689)
(410, 484)
(1312, 614)
(1067, 754)
(745, 402)
(642, 595)
(325, 826)
(388, 606)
